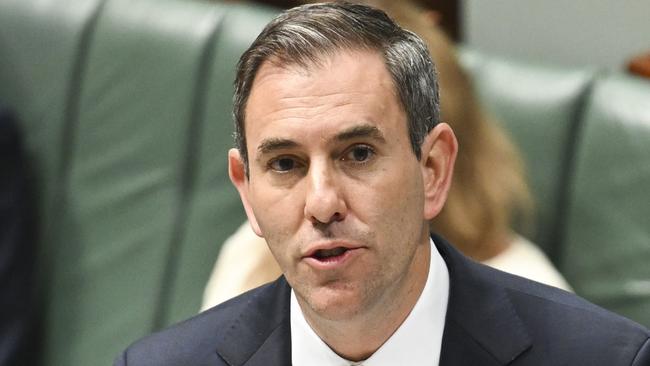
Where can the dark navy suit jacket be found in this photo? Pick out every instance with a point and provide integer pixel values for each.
(493, 318)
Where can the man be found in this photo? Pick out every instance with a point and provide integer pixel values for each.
(341, 162)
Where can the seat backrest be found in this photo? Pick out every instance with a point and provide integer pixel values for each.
(586, 141)
(540, 107)
(126, 108)
(606, 255)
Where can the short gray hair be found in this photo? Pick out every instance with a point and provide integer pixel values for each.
(305, 34)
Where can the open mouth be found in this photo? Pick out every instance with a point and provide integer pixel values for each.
(329, 255)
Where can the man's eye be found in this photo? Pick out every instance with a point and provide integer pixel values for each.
(282, 164)
(360, 154)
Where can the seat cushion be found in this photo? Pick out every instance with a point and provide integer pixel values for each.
(214, 209)
(40, 47)
(127, 181)
(539, 107)
(607, 247)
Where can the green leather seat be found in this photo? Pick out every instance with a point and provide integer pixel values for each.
(606, 255)
(540, 108)
(39, 63)
(126, 107)
(127, 179)
(585, 139)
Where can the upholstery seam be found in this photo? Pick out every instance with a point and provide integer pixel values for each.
(56, 209)
(567, 174)
(188, 174)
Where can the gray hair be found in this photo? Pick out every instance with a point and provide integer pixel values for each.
(304, 35)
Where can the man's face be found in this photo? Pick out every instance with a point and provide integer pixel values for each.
(334, 185)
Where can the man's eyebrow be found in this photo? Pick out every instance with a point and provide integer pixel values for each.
(273, 143)
(360, 131)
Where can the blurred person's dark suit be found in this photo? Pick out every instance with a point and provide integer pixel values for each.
(16, 247)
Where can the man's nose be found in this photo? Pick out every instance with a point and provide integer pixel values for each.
(324, 202)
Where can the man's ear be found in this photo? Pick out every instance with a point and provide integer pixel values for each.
(237, 173)
(439, 151)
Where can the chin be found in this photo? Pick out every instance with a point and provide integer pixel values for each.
(336, 304)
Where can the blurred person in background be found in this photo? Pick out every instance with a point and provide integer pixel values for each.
(489, 186)
(17, 251)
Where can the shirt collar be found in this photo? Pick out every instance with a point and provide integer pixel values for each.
(425, 322)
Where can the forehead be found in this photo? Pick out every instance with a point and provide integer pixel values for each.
(344, 86)
(340, 70)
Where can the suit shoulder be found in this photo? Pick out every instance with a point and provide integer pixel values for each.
(531, 294)
(191, 341)
(561, 323)
(566, 318)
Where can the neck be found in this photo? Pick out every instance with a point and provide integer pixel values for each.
(358, 338)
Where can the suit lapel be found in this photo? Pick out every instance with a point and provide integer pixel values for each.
(481, 326)
(261, 334)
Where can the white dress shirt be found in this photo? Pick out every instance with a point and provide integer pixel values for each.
(417, 341)
(525, 259)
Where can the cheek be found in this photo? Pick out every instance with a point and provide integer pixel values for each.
(278, 211)
(393, 197)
